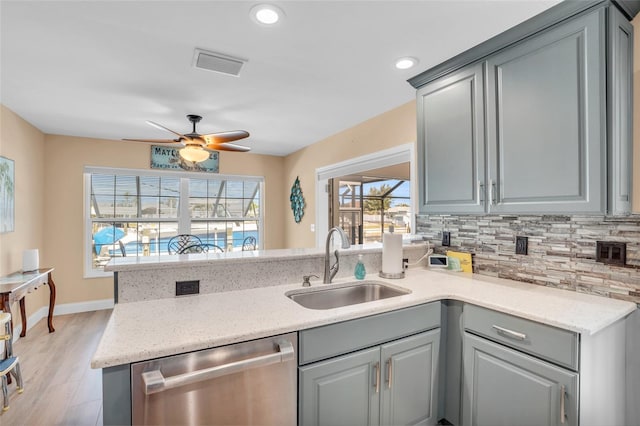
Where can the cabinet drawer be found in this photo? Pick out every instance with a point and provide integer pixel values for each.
(335, 339)
(550, 343)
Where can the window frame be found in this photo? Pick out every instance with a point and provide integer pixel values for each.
(183, 219)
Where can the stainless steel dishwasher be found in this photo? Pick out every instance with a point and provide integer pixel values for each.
(249, 383)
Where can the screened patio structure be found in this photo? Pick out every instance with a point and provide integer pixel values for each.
(366, 207)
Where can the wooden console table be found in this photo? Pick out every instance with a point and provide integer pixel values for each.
(15, 287)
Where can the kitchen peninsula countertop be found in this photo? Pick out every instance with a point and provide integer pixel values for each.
(165, 261)
(145, 330)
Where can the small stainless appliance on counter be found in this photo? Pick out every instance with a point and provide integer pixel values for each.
(242, 384)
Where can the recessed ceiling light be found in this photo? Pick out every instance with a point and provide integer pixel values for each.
(266, 14)
(406, 63)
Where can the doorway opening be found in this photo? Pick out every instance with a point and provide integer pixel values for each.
(366, 194)
(367, 205)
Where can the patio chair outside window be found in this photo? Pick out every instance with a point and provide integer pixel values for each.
(179, 242)
(202, 248)
(249, 244)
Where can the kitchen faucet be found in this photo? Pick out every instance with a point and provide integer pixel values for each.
(331, 271)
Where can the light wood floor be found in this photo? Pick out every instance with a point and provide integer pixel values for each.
(59, 385)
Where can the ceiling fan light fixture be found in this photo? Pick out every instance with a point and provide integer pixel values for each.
(266, 14)
(194, 153)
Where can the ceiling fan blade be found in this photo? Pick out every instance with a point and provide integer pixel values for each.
(161, 127)
(227, 147)
(223, 137)
(154, 140)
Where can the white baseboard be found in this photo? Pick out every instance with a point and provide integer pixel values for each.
(74, 308)
(64, 309)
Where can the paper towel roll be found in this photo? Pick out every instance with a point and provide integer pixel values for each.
(391, 253)
(30, 261)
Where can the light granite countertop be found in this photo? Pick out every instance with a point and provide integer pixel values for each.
(140, 331)
(165, 261)
(133, 263)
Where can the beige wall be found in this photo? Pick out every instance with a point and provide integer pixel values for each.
(23, 143)
(393, 128)
(63, 223)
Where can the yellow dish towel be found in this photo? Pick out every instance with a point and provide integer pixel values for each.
(465, 260)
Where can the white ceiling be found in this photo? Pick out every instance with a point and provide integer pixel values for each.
(101, 68)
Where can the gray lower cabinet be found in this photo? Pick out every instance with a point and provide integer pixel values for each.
(410, 367)
(509, 388)
(340, 391)
(390, 384)
(518, 372)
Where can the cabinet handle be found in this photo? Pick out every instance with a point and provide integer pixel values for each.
(377, 368)
(389, 373)
(481, 192)
(492, 192)
(509, 333)
(563, 392)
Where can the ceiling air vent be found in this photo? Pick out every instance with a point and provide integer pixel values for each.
(217, 62)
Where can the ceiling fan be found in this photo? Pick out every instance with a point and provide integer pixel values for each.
(197, 146)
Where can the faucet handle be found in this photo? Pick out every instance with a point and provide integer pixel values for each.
(306, 278)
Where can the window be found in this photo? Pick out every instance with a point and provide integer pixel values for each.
(367, 207)
(386, 203)
(137, 212)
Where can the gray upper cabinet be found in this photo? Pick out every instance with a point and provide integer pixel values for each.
(546, 121)
(620, 106)
(541, 124)
(451, 155)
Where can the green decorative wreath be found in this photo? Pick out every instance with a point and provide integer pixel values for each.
(297, 201)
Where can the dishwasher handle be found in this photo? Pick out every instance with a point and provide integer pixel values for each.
(155, 382)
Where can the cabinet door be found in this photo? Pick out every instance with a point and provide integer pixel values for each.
(546, 121)
(410, 371)
(451, 143)
(503, 387)
(341, 391)
(620, 107)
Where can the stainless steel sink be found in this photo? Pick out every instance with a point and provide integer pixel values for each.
(345, 294)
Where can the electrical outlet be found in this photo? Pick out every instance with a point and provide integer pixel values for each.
(187, 287)
(522, 245)
(446, 238)
(611, 252)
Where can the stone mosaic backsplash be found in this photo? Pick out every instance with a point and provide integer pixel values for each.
(561, 249)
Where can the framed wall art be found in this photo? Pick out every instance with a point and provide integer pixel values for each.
(7, 195)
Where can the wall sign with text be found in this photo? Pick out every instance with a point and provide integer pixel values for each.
(168, 158)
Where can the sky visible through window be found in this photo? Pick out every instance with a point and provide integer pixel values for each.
(403, 191)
